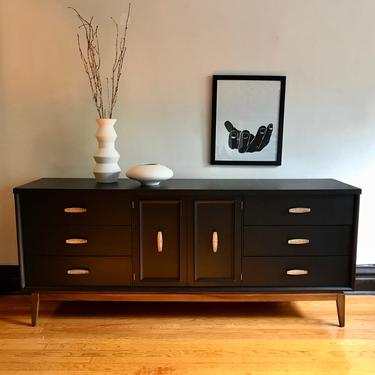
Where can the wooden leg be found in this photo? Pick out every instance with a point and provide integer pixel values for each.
(340, 304)
(34, 308)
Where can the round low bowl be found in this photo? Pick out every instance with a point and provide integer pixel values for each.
(149, 174)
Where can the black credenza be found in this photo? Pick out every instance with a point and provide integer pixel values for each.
(188, 240)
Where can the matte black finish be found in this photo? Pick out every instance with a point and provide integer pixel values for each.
(219, 217)
(325, 210)
(365, 283)
(250, 216)
(160, 265)
(101, 240)
(102, 207)
(273, 240)
(272, 271)
(52, 271)
(246, 186)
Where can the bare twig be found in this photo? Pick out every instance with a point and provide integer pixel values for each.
(91, 60)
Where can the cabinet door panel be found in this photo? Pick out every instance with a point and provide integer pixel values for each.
(160, 241)
(215, 242)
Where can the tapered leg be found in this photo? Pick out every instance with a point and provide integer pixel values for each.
(34, 308)
(340, 304)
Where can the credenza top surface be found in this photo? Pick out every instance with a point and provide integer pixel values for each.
(240, 185)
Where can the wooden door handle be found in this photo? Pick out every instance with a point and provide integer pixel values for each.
(75, 210)
(297, 272)
(215, 242)
(299, 210)
(76, 241)
(159, 241)
(298, 241)
(78, 271)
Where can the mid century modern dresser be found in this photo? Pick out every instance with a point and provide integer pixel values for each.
(188, 240)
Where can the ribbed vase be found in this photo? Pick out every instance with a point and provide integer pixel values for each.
(106, 156)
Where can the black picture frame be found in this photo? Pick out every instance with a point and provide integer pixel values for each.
(248, 146)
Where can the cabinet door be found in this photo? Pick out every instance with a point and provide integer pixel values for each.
(161, 244)
(216, 242)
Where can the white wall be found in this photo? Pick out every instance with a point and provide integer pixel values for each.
(326, 48)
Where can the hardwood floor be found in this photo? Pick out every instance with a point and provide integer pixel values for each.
(81, 338)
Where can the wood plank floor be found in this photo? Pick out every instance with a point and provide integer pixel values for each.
(82, 338)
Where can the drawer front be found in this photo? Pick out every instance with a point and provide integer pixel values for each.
(316, 210)
(297, 240)
(273, 271)
(76, 207)
(77, 271)
(78, 240)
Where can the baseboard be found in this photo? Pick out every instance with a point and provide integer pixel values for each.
(365, 278)
(10, 279)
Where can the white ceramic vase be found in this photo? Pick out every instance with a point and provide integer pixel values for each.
(106, 169)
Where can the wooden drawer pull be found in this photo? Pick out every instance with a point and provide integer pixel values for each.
(215, 242)
(75, 210)
(298, 241)
(78, 271)
(299, 210)
(297, 272)
(75, 241)
(159, 241)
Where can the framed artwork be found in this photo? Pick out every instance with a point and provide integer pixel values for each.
(247, 119)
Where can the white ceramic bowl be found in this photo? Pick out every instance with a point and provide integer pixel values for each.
(149, 174)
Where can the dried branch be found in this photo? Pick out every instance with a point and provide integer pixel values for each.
(119, 60)
(91, 60)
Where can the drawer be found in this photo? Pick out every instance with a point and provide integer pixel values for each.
(56, 271)
(297, 240)
(273, 271)
(76, 207)
(78, 240)
(321, 210)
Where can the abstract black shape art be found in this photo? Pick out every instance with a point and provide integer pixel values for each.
(247, 119)
(244, 141)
